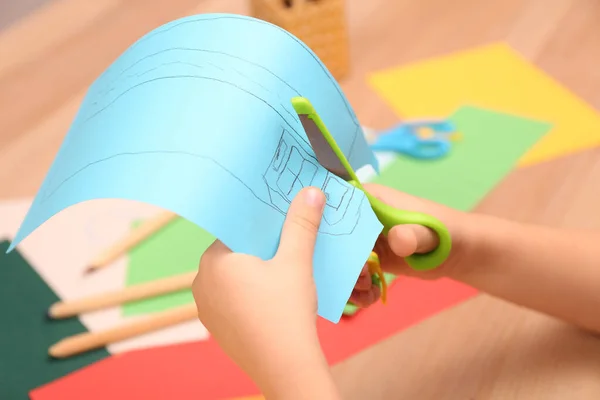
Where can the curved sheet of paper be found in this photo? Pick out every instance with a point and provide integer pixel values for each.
(196, 118)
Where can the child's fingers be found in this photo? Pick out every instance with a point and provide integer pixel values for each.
(364, 280)
(405, 240)
(301, 226)
(364, 298)
(214, 252)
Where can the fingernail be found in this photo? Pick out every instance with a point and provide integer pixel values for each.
(314, 197)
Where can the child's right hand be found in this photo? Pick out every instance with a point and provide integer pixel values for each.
(521, 263)
(405, 240)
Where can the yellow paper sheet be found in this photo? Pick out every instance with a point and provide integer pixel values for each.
(494, 77)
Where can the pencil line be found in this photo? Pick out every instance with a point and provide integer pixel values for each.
(51, 193)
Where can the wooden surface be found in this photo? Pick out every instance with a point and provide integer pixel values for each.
(11, 11)
(482, 349)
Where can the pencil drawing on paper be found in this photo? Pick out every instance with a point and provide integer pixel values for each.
(292, 169)
(223, 61)
(292, 166)
(210, 65)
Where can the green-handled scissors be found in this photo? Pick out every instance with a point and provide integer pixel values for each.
(332, 158)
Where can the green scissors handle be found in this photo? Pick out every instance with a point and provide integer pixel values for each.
(388, 216)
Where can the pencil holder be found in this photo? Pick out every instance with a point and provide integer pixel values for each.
(320, 24)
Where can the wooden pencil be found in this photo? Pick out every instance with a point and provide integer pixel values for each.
(136, 292)
(134, 238)
(83, 342)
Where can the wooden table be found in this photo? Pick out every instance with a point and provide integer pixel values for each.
(482, 349)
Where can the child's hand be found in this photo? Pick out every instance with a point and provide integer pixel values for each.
(405, 240)
(263, 313)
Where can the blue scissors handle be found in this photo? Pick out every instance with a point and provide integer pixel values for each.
(428, 149)
(405, 142)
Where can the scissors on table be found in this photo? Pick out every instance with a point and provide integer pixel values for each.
(420, 139)
(333, 159)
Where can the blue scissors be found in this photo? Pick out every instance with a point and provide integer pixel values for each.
(405, 139)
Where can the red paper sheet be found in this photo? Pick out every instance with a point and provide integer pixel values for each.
(200, 370)
(410, 301)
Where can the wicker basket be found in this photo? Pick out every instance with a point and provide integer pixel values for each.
(320, 24)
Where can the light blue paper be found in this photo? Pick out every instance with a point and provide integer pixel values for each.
(196, 118)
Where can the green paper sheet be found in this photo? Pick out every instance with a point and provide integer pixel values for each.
(26, 332)
(491, 146)
(173, 250)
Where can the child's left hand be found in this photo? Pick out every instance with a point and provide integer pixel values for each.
(263, 313)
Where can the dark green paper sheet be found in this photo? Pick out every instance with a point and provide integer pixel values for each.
(491, 146)
(26, 333)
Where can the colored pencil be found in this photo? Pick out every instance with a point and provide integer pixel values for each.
(136, 236)
(155, 288)
(83, 342)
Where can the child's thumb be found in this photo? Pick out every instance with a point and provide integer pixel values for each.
(301, 226)
(406, 240)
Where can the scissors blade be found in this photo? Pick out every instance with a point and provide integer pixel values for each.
(326, 149)
(324, 152)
